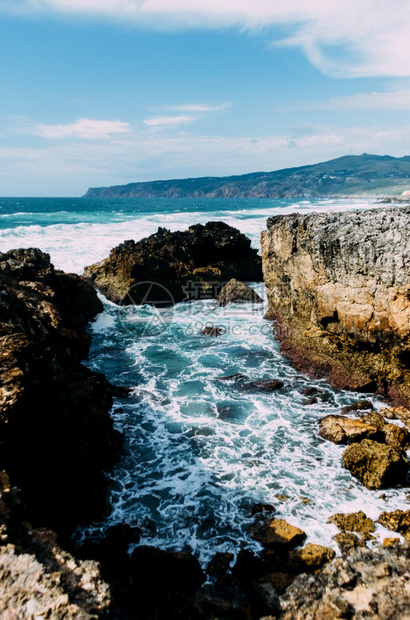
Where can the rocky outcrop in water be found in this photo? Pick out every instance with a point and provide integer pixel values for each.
(339, 286)
(56, 433)
(193, 264)
(237, 292)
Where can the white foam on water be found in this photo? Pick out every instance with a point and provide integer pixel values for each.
(199, 451)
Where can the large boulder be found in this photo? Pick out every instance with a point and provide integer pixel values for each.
(398, 521)
(193, 264)
(376, 465)
(277, 534)
(237, 292)
(354, 522)
(339, 429)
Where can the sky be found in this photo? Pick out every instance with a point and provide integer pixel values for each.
(107, 92)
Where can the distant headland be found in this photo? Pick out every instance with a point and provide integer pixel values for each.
(344, 176)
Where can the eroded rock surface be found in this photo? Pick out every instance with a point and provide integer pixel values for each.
(237, 292)
(53, 410)
(338, 285)
(366, 584)
(192, 264)
(376, 465)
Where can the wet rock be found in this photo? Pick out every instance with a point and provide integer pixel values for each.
(282, 497)
(397, 521)
(391, 434)
(310, 391)
(400, 413)
(267, 385)
(262, 508)
(235, 377)
(366, 584)
(376, 465)
(310, 558)
(311, 401)
(220, 564)
(390, 542)
(154, 569)
(192, 264)
(337, 287)
(348, 542)
(277, 533)
(339, 429)
(360, 405)
(237, 292)
(212, 331)
(354, 522)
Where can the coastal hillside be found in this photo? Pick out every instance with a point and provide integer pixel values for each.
(344, 176)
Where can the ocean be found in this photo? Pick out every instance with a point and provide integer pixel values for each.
(199, 451)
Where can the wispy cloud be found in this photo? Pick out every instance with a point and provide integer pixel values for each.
(84, 128)
(70, 167)
(340, 37)
(169, 121)
(199, 107)
(395, 100)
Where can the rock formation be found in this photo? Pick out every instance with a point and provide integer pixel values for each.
(193, 264)
(366, 584)
(237, 292)
(56, 433)
(339, 286)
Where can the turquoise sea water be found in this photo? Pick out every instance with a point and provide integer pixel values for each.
(200, 451)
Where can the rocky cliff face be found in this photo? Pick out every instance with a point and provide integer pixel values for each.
(56, 435)
(192, 264)
(339, 286)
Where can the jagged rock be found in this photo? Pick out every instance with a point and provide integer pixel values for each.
(347, 542)
(262, 508)
(53, 410)
(338, 283)
(163, 572)
(398, 521)
(310, 557)
(401, 413)
(192, 264)
(393, 435)
(339, 429)
(277, 533)
(366, 584)
(376, 465)
(219, 565)
(212, 331)
(361, 404)
(237, 292)
(354, 522)
(390, 542)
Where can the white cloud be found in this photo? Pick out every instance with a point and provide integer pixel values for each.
(84, 128)
(199, 107)
(340, 37)
(395, 100)
(169, 121)
(70, 167)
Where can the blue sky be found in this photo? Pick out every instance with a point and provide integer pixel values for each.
(104, 92)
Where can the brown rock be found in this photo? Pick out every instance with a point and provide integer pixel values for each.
(360, 405)
(277, 533)
(338, 289)
(397, 521)
(390, 542)
(392, 434)
(339, 429)
(183, 265)
(376, 465)
(212, 331)
(310, 557)
(219, 565)
(401, 413)
(354, 522)
(237, 292)
(348, 542)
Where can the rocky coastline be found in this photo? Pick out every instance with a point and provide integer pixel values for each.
(338, 288)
